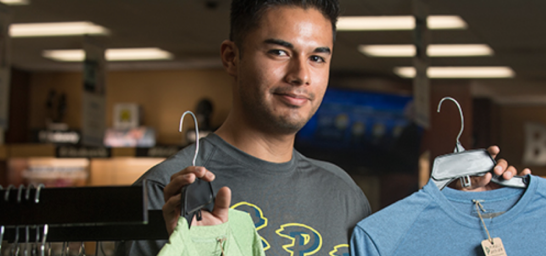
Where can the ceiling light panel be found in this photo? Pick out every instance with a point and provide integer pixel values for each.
(15, 2)
(137, 54)
(371, 23)
(56, 29)
(128, 54)
(433, 50)
(64, 55)
(459, 72)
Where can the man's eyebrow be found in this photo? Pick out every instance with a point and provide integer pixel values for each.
(279, 42)
(323, 50)
(291, 46)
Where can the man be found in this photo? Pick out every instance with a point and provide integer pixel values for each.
(279, 56)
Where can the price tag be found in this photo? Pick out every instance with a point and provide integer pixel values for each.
(493, 249)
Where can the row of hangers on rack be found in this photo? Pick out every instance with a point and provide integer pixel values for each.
(38, 247)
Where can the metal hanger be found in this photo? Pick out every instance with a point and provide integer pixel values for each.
(27, 241)
(44, 239)
(2, 229)
(15, 245)
(81, 252)
(465, 163)
(27, 228)
(198, 195)
(196, 133)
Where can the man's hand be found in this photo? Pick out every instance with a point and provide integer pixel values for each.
(484, 183)
(171, 193)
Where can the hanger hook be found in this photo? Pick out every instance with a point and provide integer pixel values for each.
(27, 240)
(35, 246)
(2, 230)
(27, 193)
(20, 193)
(6, 194)
(37, 196)
(15, 245)
(460, 113)
(196, 133)
(81, 252)
(44, 238)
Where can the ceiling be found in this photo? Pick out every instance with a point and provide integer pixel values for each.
(193, 29)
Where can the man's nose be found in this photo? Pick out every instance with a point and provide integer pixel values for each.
(298, 72)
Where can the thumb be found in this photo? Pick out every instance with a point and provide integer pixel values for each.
(222, 203)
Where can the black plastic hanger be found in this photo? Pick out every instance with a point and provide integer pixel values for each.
(198, 195)
(465, 163)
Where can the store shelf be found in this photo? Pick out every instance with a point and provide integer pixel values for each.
(121, 152)
(30, 150)
(72, 151)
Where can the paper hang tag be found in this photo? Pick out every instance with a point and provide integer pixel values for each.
(493, 249)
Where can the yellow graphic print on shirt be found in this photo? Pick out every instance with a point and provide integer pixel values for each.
(305, 240)
(260, 221)
(340, 250)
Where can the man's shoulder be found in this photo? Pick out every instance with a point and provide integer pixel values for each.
(326, 168)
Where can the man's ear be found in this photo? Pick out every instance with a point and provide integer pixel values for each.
(230, 57)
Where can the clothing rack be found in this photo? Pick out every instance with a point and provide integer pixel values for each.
(80, 214)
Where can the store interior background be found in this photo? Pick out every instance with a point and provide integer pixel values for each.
(496, 111)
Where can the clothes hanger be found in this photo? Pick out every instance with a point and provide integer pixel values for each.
(81, 252)
(15, 245)
(44, 239)
(198, 195)
(2, 229)
(465, 163)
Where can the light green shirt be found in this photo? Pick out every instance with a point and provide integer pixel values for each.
(236, 237)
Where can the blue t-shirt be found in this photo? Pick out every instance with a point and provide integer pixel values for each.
(434, 222)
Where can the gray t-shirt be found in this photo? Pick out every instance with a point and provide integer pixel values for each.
(301, 207)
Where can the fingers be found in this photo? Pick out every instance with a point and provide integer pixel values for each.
(493, 151)
(171, 212)
(525, 171)
(507, 172)
(185, 177)
(501, 167)
(222, 203)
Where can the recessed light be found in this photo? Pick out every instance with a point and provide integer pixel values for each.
(433, 50)
(56, 29)
(15, 2)
(459, 72)
(64, 55)
(407, 22)
(122, 54)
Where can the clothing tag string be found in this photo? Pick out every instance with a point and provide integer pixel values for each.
(490, 246)
(478, 206)
(221, 242)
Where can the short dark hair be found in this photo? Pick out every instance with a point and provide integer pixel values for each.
(245, 14)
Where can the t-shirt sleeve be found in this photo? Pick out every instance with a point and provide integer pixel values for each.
(175, 246)
(362, 244)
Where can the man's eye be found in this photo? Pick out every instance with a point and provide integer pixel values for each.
(317, 59)
(278, 52)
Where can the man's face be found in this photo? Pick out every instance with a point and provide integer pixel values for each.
(283, 68)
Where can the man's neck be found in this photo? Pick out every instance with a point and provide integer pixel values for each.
(272, 148)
